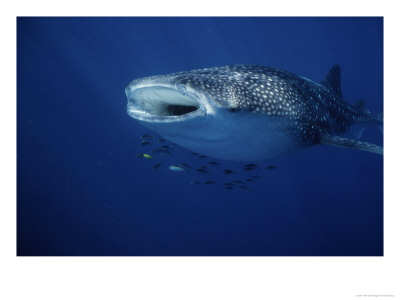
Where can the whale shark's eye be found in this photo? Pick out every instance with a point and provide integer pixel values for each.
(233, 109)
(162, 101)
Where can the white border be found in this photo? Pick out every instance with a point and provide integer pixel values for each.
(198, 278)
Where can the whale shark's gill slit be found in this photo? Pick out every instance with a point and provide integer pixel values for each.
(162, 101)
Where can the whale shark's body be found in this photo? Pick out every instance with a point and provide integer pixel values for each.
(246, 112)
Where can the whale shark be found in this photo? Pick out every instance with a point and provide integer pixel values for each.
(248, 112)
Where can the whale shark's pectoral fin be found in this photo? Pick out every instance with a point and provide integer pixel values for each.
(339, 141)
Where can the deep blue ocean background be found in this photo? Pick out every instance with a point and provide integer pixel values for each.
(82, 191)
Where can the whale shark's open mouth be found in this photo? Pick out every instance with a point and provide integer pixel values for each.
(161, 103)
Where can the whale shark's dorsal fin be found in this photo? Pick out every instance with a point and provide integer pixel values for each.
(332, 80)
(339, 141)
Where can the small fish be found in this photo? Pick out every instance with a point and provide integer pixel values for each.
(209, 182)
(249, 180)
(249, 169)
(194, 153)
(243, 187)
(203, 156)
(228, 188)
(147, 156)
(256, 176)
(162, 140)
(195, 182)
(239, 181)
(251, 166)
(160, 150)
(165, 147)
(145, 143)
(270, 167)
(228, 184)
(156, 166)
(146, 137)
(186, 166)
(213, 163)
(203, 167)
(227, 172)
(176, 168)
(200, 170)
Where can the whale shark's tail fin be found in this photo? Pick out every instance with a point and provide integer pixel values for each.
(350, 143)
(367, 116)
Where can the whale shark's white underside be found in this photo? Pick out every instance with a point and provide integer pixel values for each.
(246, 113)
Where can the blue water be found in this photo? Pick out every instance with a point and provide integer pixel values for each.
(82, 191)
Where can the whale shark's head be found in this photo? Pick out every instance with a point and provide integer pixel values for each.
(181, 109)
(219, 112)
(182, 96)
